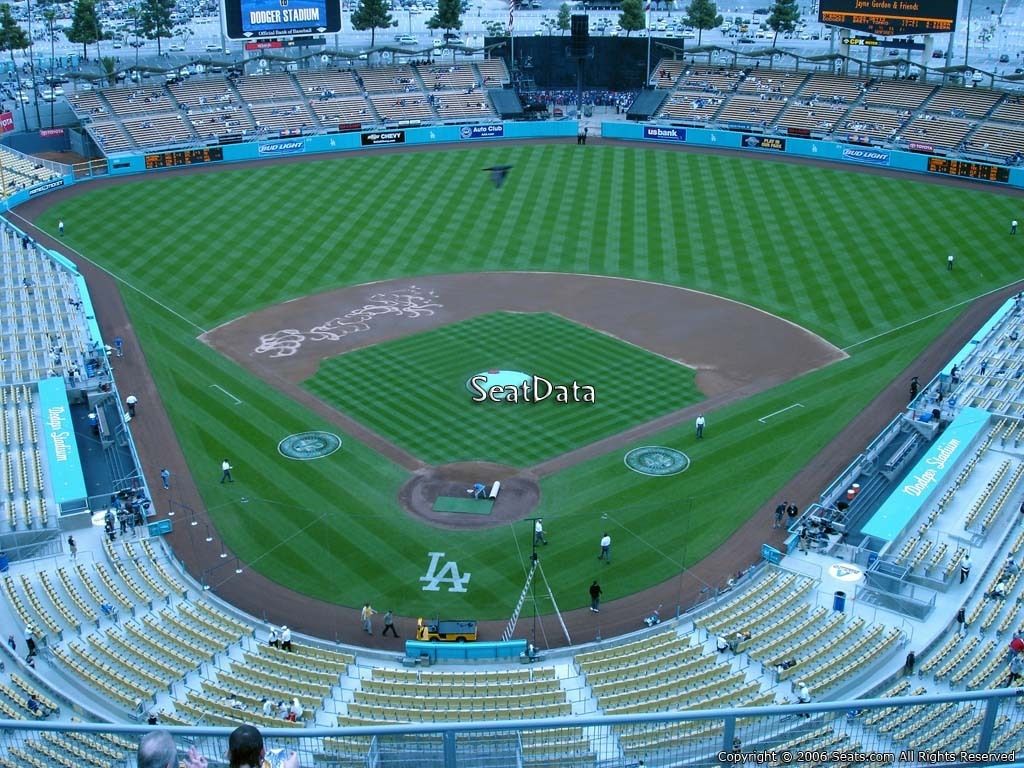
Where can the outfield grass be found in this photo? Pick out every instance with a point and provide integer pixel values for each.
(413, 390)
(848, 255)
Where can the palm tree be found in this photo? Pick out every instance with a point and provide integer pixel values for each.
(50, 15)
(12, 38)
(32, 66)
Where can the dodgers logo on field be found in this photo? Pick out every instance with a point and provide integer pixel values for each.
(449, 574)
(657, 461)
(306, 446)
(867, 156)
(282, 147)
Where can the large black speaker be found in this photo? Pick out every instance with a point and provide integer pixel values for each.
(579, 46)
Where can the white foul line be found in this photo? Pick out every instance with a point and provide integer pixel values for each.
(763, 419)
(218, 386)
(69, 249)
(928, 316)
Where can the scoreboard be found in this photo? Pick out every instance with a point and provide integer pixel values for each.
(256, 19)
(889, 18)
(981, 171)
(184, 157)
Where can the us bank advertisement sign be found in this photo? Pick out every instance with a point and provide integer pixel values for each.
(655, 133)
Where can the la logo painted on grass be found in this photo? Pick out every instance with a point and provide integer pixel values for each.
(449, 573)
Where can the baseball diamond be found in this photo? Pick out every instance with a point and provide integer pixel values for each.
(352, 415)
(783, 305)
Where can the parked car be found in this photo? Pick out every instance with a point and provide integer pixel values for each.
(176, 47)
(1004, 58)
(405, 39)
(212, 48)
(937, 54)
(136, 43)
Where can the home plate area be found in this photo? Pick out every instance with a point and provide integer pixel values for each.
(446, 496)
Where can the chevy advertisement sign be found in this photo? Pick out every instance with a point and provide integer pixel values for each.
(481, 131)
(382, 137)
(278, 148)
(664, 134)
(866, 156)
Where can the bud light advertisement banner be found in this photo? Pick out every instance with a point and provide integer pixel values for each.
(482, 131)
(866, 156)
(664, 134)
(284, 147)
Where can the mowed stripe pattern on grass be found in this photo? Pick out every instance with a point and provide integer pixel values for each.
(846, 254)
(413, 390)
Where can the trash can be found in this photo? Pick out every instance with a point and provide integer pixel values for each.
(839, 601)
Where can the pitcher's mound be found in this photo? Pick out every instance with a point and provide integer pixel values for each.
(518, 498)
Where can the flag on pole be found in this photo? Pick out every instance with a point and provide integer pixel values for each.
(511, 13)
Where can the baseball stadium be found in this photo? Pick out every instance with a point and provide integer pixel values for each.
(526, 400)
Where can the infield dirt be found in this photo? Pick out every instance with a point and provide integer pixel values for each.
(260, 596)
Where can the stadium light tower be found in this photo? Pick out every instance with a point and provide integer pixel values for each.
(533, 582)
(967, 43)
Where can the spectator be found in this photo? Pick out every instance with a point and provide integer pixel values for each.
(157, 750)
(804, 697)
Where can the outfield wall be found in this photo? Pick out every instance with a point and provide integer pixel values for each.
(484, 133)
(488, 133)
(870, 156)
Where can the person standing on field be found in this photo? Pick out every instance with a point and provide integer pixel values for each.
(595, 597)
(366, 617)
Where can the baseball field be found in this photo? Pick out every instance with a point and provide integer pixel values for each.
(857, 259)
